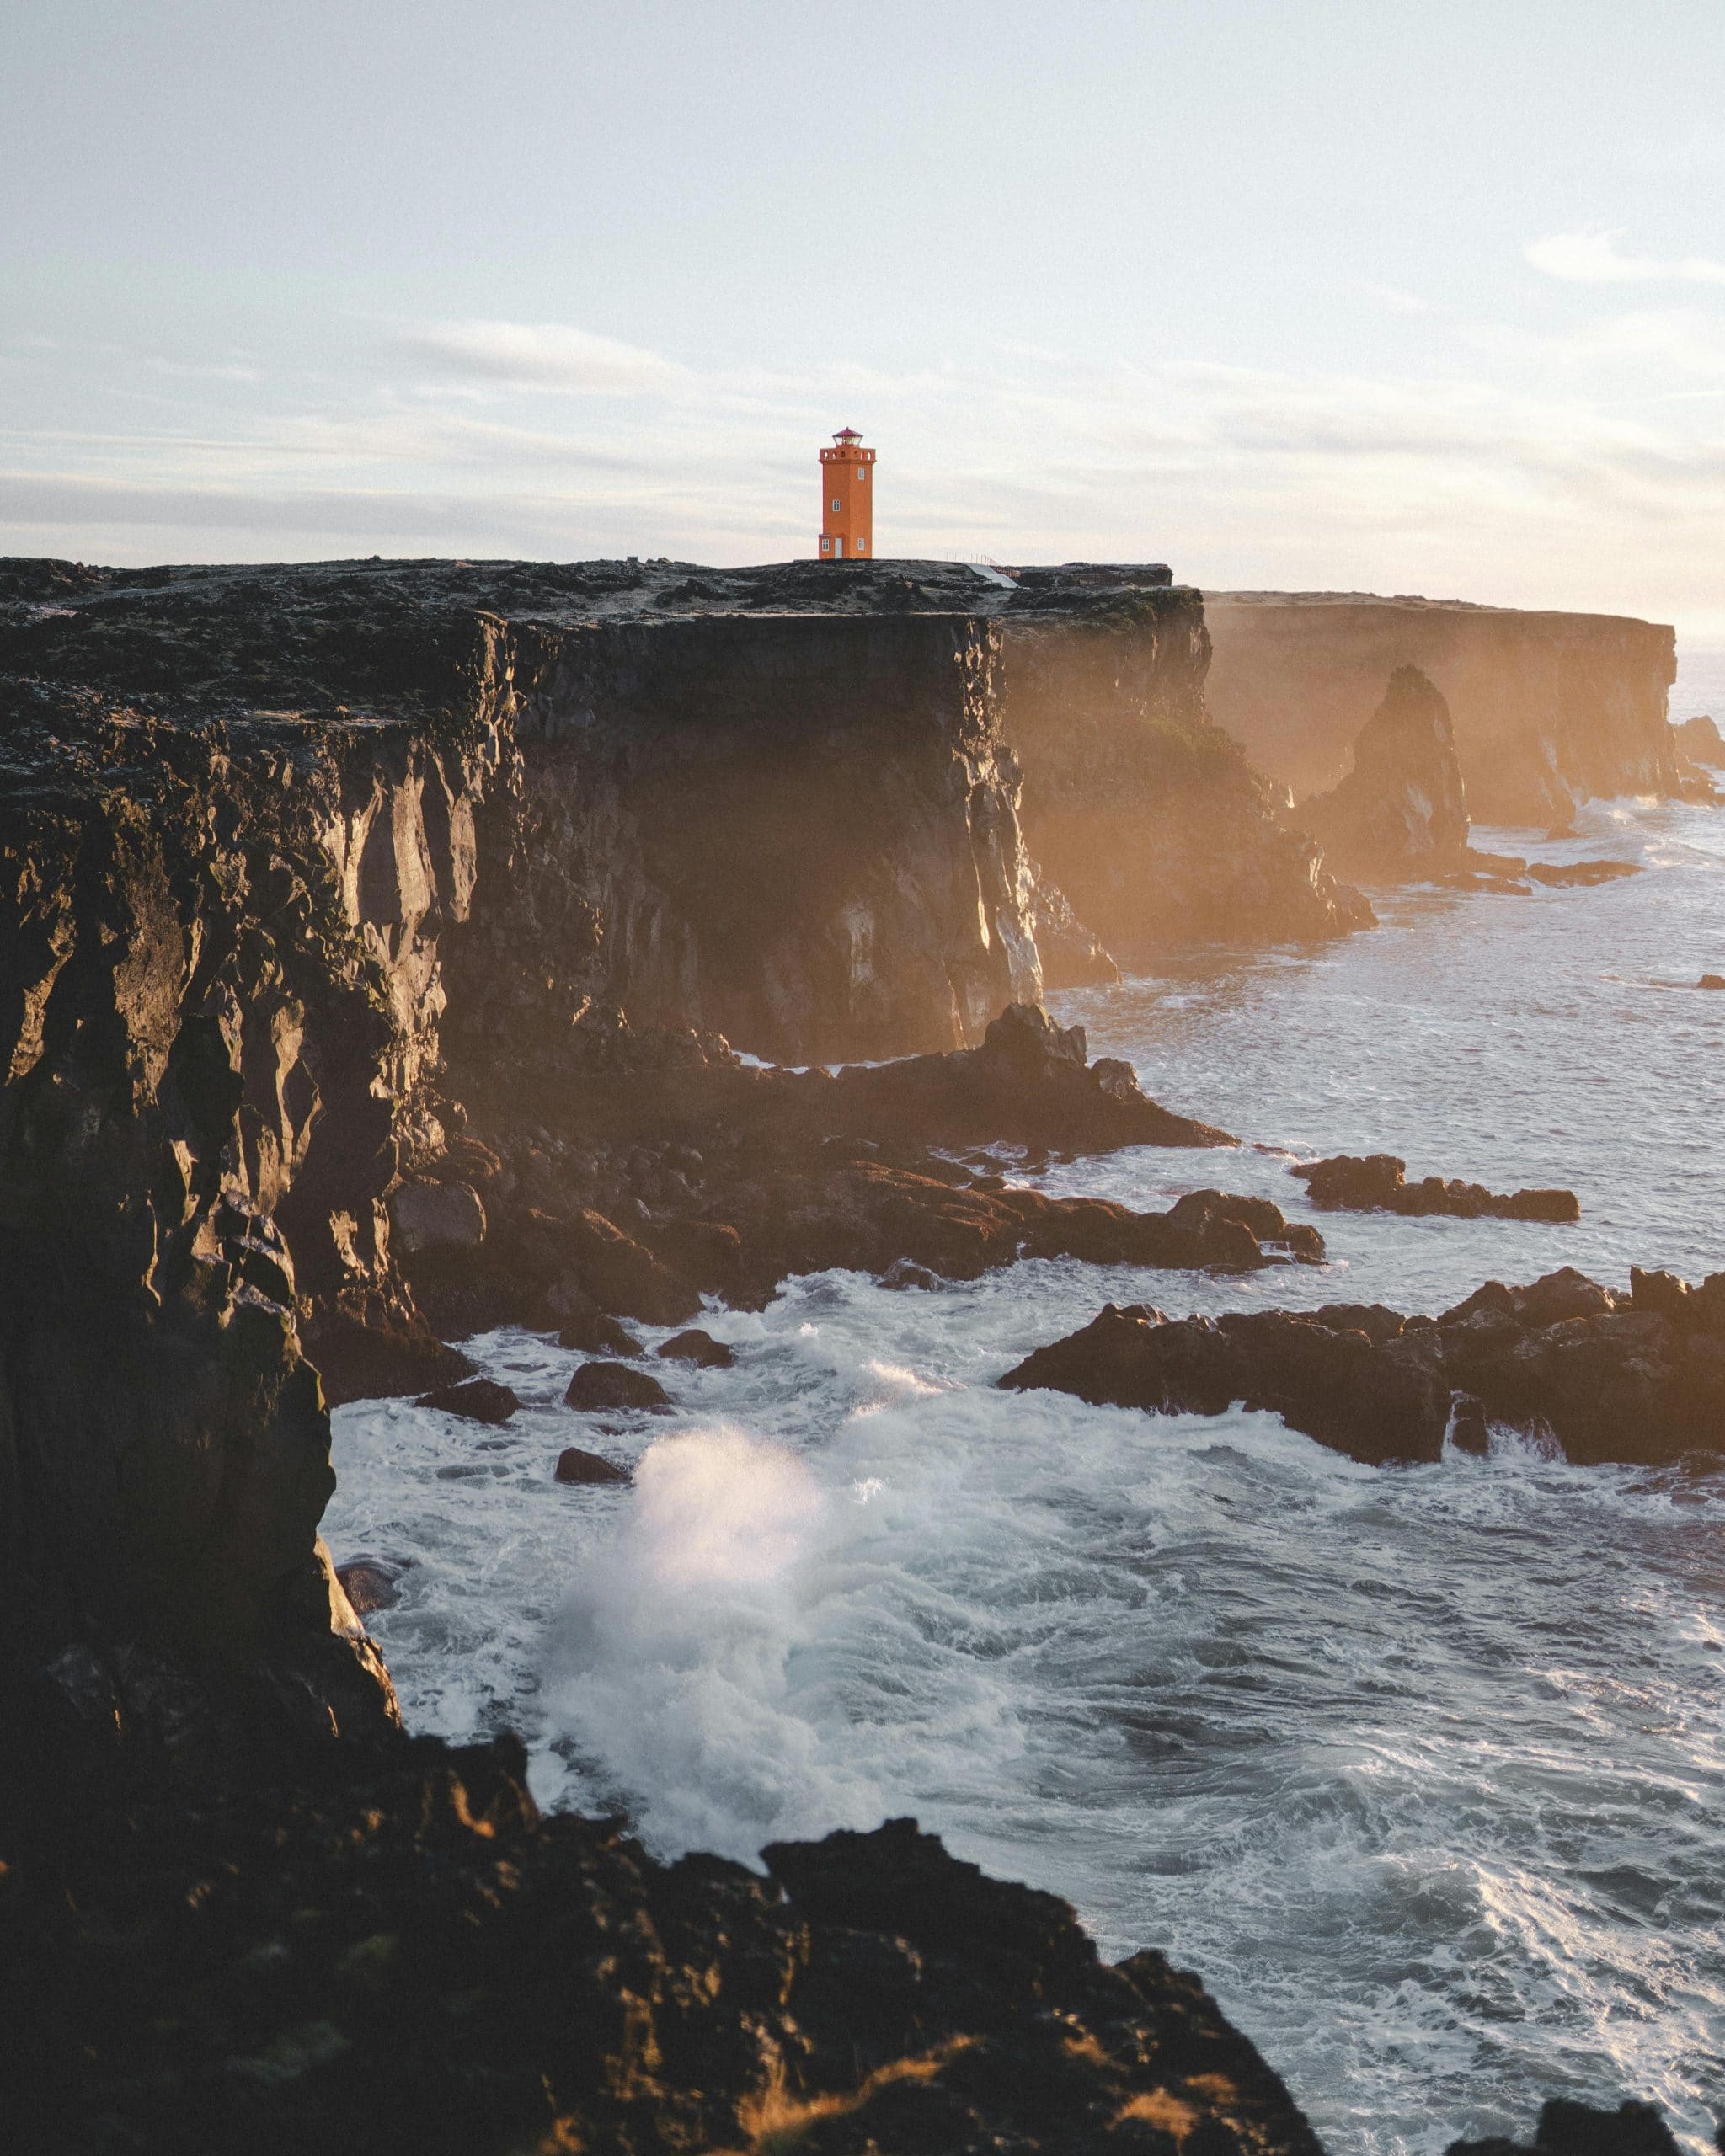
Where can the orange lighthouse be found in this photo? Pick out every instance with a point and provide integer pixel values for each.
(847, 499)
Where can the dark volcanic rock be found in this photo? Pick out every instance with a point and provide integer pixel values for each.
(699, 1348)
(1401, 811)
(1567, 2128)
(415, 1961)
(586, 1326)
(575, 1465)
(1377, 1182)
(480, 1400)
(599, 1385)
(1639, 1378)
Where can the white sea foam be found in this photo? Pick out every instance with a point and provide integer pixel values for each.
(1424, 1769)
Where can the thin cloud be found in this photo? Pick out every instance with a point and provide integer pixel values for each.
(547, 356)
(1594, 258)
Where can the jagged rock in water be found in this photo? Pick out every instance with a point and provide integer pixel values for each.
(1636, 1379)
(1401, 811)
(1548, 709)
(1700, 739)
(1377, 1182)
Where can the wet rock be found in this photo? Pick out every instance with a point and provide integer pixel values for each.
(870, 1216)
(699, 1348)
(622, 1275)
(373, 1352)
(1711, 980)
(424, 1214)
(902, 1274)
(1377, 1182)
(1567, 2128)
(1637, 1379)
(575, 1465)
(602, 1385)
(1402, 810)
(1580, 874)
(480, 1400)
(370, 1582)
(586, 1326)
(412, 1958)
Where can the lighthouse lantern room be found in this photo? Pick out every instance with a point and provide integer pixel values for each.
(847, 499)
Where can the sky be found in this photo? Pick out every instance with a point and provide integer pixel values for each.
(1290, 294)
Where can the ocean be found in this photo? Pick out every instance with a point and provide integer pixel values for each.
(1422, 1769)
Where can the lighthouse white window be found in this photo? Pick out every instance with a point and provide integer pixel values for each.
(838, 504)
(862, 472)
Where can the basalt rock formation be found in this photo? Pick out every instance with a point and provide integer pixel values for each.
(1401, 811)
(1377, 1182)
(413, 1959)
(1638, 1377)
(1151, 821)
(295, 862)
(1567, 2128)
(1549, 709)
(733, 1177)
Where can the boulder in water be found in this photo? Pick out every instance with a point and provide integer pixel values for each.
(699, 1348)
(573, 1465)
(480, 1400)
(601, 1386)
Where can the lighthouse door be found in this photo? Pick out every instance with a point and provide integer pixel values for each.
(838, 548)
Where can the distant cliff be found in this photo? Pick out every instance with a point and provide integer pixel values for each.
(1153, 820)
(1549, 709)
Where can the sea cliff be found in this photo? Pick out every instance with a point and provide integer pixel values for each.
(1549, 709)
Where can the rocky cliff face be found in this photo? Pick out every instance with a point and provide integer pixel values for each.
(1151, 819)
(256, 828)
(800, 833)
(1402, 810)
(1549, 709)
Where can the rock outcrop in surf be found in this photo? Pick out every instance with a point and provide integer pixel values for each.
(1607, 1377)
(1377, 1182)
